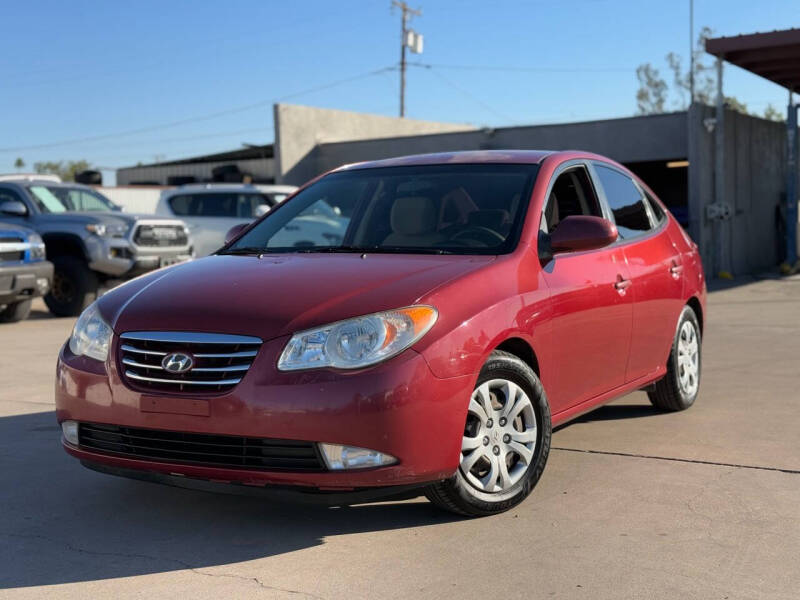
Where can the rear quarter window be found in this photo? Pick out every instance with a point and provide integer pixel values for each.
(626, 202)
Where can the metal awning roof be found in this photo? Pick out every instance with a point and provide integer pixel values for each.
(774, 55)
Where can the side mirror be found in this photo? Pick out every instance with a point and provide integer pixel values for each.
(261, 210)
(14, 208)
(234, 231)
(582, 232)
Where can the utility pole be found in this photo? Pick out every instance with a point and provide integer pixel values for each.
(691, 52)
(407, 14)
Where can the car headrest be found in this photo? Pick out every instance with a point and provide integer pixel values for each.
(413, 215)
(495, 219)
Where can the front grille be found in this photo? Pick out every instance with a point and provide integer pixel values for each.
(220, 361)
(11, 249)
(200, 448)
(160, 236)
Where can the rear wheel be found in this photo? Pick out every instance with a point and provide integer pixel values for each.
(678, 389)
(505, 444)
(74, 287)
(17, 311)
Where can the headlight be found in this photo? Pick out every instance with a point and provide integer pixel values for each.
(37, 246)
(358, 342)
(91, 335)
(103, 230)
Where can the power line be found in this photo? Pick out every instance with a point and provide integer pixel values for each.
(471, 96)
(199, 118)
(513, 69)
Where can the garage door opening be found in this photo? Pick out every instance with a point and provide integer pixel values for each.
(669, 179)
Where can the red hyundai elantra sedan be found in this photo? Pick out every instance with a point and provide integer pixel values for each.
(458, 307)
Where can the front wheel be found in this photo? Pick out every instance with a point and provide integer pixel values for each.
(678, 389)
(74, 287)
(505, 444)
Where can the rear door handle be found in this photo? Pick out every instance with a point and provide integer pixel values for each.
(676, 270)
(621, 285)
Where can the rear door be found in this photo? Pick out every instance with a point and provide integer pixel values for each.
(592, 310)
(655, 270)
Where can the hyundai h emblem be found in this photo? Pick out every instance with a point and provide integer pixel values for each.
(177, 362)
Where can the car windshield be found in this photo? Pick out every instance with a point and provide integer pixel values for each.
(430, 209)
(55, 199)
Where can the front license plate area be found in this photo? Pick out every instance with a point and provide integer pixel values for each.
(175, 406)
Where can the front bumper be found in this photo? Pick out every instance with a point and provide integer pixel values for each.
(23, 281)
(398, 408)
(121, 259)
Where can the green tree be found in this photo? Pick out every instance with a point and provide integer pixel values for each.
(64, 169)
(678, 95)
(19, 164)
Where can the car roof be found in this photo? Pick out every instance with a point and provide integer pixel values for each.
(531, 157)
(210, 188)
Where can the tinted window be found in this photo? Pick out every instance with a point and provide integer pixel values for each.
(626, 202)
(218, 204)
(572, 194)
(658, 213)
(458, 209)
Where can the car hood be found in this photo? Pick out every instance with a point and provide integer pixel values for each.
(277, 294)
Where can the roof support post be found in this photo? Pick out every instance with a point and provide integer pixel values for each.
(791, 182)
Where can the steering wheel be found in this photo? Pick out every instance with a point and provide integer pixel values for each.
(480, 234)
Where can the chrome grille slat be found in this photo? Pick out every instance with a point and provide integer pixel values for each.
(182, 381)
(220, 361)
(131, 363)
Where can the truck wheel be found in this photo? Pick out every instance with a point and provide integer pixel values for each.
(18, 311)
(74, 287)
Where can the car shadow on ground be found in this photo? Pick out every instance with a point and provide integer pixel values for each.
(615, 412)
(61, 523)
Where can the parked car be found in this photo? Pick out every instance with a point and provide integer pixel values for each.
(88, 239)
(212, 209)
(24, 272)
(476, 300)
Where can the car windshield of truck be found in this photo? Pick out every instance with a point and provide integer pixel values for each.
(50, 199)
(428, 209)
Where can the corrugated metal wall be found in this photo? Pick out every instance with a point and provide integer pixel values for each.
(260, 168)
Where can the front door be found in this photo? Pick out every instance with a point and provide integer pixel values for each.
(590, 300)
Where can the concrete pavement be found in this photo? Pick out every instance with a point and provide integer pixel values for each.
(633, 503)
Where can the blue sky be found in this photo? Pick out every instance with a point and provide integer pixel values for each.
(76, 70)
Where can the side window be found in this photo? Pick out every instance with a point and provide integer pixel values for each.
(7, 195)
(572, 194)
(82, 201)
(626, 202)
(205, 205)
(658, 213)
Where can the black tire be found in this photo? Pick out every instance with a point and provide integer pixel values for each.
(74, 287)
(669, 394)
(18, 311)
(457, 494)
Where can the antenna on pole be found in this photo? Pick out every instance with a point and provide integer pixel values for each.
(408, 39)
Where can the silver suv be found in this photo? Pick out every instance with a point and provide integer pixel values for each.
(88, 239)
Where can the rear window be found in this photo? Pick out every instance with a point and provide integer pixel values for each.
(218, 204)
(626, 202)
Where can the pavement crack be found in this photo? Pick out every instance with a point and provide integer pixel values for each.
(683, 460)
(181, 563)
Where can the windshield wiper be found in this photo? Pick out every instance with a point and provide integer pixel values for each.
(243, 250)
(372, 250)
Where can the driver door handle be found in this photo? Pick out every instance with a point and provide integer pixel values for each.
(675, 270)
